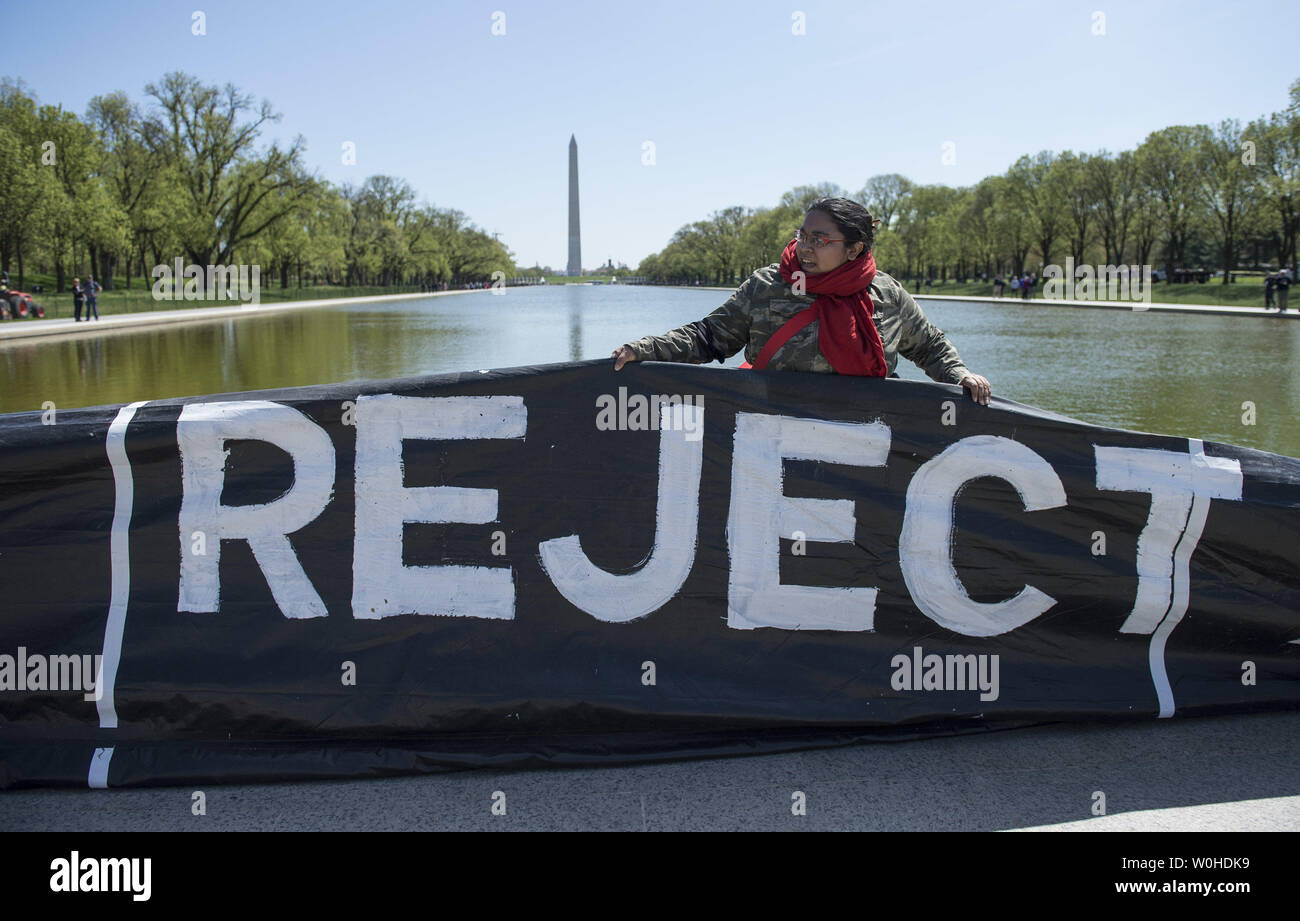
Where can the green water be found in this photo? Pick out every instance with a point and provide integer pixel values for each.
(1168, 373)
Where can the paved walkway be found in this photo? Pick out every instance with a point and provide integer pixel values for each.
(1209, 309)
(1222, 773)
(26, 329)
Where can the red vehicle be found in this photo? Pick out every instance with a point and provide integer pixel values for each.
(17, 304)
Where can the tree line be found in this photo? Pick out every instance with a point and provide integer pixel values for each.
(126, 188)
(1224, 198)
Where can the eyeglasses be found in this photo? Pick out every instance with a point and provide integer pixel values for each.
(818, 240)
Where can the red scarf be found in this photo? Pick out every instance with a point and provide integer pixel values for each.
(846, 334)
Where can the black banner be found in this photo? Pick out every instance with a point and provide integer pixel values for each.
(564, 564)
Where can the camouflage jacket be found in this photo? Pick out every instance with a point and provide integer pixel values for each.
(761, 305)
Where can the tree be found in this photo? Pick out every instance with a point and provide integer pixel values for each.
(207, 136)
(1166, 163)
(131, 171)
(1040, 193)
(721, 233)
(1278, 153)
(1113, 185)
(28, 186)
(1011, 224)
(1080, 200)
(882, 195)
(1227, 186)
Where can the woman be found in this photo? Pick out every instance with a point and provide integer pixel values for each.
(78, 299)
(823, 309)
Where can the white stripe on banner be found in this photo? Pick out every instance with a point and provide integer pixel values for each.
(98, 776)
(1187, 542)
(120, 565)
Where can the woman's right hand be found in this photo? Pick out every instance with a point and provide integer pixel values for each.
(622, 355)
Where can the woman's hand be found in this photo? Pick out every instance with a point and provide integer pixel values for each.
(979, 387)
(622, 355)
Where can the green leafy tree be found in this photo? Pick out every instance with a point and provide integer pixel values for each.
(28, 187)
(1167, 165)
(208, 136)
(1229, 187)
(1113, 185)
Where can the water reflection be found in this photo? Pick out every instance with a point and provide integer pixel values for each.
(575, 322)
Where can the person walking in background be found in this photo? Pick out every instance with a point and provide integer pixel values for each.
(1281, 286)
(78, 300)
(1024, 287)
(92, 297)
(998, 284)
(1270, 283)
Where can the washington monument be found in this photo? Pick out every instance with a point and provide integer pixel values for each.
(575, 234)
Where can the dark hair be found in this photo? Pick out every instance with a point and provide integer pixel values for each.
(850, 218)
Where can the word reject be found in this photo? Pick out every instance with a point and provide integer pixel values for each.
(1181, 483)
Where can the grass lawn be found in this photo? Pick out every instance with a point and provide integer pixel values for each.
(138, 298)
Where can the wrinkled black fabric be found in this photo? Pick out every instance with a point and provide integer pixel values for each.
(245, 693)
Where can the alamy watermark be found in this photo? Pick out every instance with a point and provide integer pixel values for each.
(75, 873)
(207, 283)
(639, 413)
(39, 672)
(1097, 283)
(970, 672)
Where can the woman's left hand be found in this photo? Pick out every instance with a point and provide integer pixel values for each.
(979, 387)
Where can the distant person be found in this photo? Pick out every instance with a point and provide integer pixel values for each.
(1282, 284)
(851, 319)
(1270, 285)
(1025, 285)
(78, 300)
(92, 297)
(929, 282)
(999, 283)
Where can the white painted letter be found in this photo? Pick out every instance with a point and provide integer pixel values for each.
(925, 546)
(381, 585)
(202, 432)
(760, 514)
(621, 598)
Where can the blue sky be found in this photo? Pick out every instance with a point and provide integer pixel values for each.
(739, 107)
